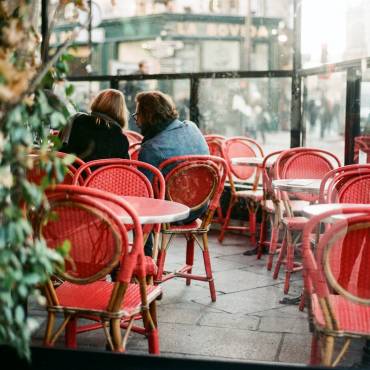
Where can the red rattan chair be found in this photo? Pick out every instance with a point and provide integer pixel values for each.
(125, 177)
(242, 147)
(214, 143)
(37, 173)
(196, 181)
(309, 163)
(337, 287)
(99, 243)
(269, 205)
(133, 136)
(362, 144)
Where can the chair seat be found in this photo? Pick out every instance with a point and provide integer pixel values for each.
(295, 223)
(187, 227)
(351, 317)
(94, 298)
(256, 195)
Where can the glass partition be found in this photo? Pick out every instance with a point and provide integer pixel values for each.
(334, 31)
(324, 112)
(178, 89)
(259, 108)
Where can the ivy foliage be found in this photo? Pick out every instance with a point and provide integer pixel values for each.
(27, 113)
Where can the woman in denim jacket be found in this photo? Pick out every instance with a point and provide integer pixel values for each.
(165, 136)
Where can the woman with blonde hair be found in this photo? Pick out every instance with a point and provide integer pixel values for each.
(98, 135)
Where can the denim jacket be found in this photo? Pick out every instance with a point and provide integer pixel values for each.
(179, 138)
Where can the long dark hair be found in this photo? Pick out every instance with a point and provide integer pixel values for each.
(155, 107)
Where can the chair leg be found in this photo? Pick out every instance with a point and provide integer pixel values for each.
(315, 357)
(227, 219)
(116, 335)
(261, 243)
(289, 265)
(161, 259)
(281, 256)
(302, 301)
(189, 254)
(273, 243)
(328, 350)
(152, 331)
(208, 268)
(71, 333)
(252, 210)
(49, 329)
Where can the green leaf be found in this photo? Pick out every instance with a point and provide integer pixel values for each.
(19, 315)
(69, 90)
(65, 248)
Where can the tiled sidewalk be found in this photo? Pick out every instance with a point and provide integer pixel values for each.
(247, 322)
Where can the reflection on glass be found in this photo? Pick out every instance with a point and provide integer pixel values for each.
(340, 31)
(178, 89)
(324, 112)
(258, 108)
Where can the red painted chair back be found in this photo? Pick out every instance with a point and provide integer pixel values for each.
(305, 163)
(99, 241)
(36, 174)
(195, 180)
(122, 177)
(362, 144)
(340, 262)
(214, 144)
(241, 146)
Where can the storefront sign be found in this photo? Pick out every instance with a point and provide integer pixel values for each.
(213, 29)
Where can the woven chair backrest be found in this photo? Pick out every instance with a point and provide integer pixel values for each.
(123, 177)
(343, 255)
(195, 180)
(306, 163)
(269, 174)
(355, 190)
(214, 145)
(37, 173)
(86, 219)
(362, 143)
(237, 147)
(340, 260)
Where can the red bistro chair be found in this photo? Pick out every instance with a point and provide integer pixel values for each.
(133, 136)
(36, 173)
(309, 163)
(269, 205)
(125, 177)
(196, 181)
(99, 243)
(214, 143)
(242, 147)
(362, 144)
(338, 289)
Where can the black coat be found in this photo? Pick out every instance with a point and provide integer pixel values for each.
(89, 140)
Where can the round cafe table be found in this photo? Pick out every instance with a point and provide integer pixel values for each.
(310, 186)
(150, 210)
(250, 161)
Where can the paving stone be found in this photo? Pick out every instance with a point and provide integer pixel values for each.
(242, 322)
(239, 280)
(207, 341)
(247, 302)
(295, 348)
(298, 325)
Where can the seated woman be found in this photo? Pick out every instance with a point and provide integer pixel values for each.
(165, 136)
(98, 135)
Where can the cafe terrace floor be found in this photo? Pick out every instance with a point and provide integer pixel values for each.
(246, 323)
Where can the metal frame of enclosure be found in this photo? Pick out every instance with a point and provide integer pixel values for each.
(353, 69)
